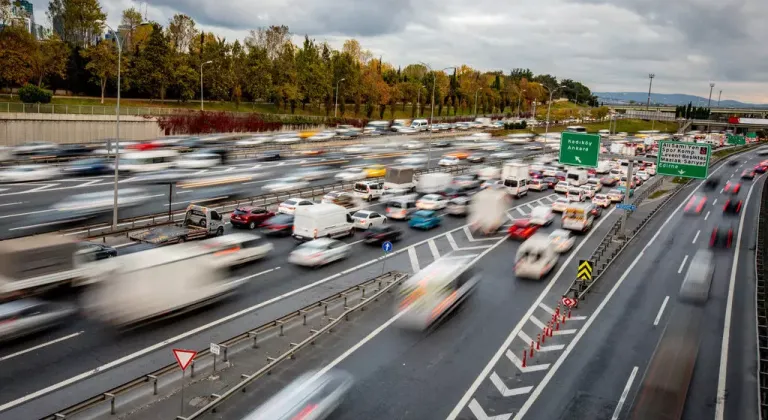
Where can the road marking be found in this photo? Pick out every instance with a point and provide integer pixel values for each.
(714, 202)
(465, 399)
(528, 340)
(680, 270)
(24, 214)
(44, 187)
(721, 190)
(58, 340)
(521, 212)
(537, 322)
(478, 411)
(433, 249)
(506, 391)
(519, 363)
(696, 237)
(661, 311)
(11, 204)
(453, 242)
(707, 216)
(724, 348)
(624, 394)
(564, 332)
(414, 260)
(546, 308)
(85, 184)
(473, 239)
(530, 207)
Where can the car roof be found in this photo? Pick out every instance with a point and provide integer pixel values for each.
(15, 306)
(321, 241)
(364, 211)
(231, 239)
(560, 232)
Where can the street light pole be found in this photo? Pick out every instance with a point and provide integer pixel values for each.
(117, 123)
(519, 97)
(718, 98)
(709, 102)
(201, 82)
(650, 85)
(476, 92)
(336, 105)
(432, 111)
(549, 107)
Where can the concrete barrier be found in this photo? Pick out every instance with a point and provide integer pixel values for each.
(18, 128)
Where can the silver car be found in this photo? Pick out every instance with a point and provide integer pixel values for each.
(22, 317)
(312, 396)
(698, 279)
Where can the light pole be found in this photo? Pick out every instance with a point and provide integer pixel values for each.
(519, 97)
(432, 111)
(648, 105)
(718, 98)
(549, 107)
(336, 105)
(709, 102)
(117, 125)
(476, 92)
(201, 82)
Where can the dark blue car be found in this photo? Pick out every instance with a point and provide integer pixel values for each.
(87, 167)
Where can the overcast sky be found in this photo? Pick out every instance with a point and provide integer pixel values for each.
(610, 45)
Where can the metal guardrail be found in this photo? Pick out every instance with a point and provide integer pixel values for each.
(761, 304)
(605, 253)
(249, 339)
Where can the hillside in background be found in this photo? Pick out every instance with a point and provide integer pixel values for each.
(668, 99)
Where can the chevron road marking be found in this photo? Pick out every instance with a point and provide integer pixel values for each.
(504, 390)
(519, 364)
(478, 411)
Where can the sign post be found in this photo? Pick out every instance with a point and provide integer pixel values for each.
(215, 351)
(387, 248)
(579, 149)
(184, 358)
(683, 159)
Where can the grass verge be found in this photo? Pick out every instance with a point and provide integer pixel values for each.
(657, 194)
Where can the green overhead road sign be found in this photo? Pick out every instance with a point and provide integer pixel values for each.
(688, 160)
(579, 149)
(732, 139)
(752, 135)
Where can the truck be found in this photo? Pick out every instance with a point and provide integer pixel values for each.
(36, 263)
(399, 178)
(577, 217)
(322, 221)
(199, 222)
(433, 183)
(488, 210)
(160, 282)
(515, 177)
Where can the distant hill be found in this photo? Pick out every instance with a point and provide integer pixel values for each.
(673, 99)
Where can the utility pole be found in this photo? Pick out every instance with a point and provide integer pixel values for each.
(709, 102)
(336, 104)
(650, 85)
(432, 111)
(201, 82)
(519, 97)
(549, 107)
(718, 98)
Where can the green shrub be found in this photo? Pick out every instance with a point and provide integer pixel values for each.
(31, 94)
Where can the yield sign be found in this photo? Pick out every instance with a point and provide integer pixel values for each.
(184, 357)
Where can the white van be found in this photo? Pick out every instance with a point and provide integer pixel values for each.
(535, 258)
(420, 124)
(322, 221)
(369, 190)
(575, 194)
(603, 167)
(154, 160)
(576, 177)
(578, 217)
(433, 182)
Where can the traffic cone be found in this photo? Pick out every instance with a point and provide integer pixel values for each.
(550, 331)
(525, 358)
(531, 349)
(569, 314)
(538, 341)
(563, 321)
(557, 310)
(557, 325)
(544, 336)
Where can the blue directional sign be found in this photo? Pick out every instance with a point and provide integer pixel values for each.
(627, 207)
(387, 246)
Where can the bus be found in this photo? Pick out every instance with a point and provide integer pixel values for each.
(149, 161)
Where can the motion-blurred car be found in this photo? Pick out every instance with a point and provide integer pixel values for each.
(417, 159)
(461, 154)
(431, 202)
(542, 216)
(38, 148)
(601, 200)
(287, 138)
(381, 234)
(289, 206)
(285, 184)
(340, 198)
(522, 229)
(28, 173)
(695, 204)
(538, 185)
(733, 162)
(236, 249)
(561, 204)
(503, 154)
(312, 396)
(413, 145)
(365, 219)
(319, 252)
(269, 155)
(198, 160)
(608, 181)
(589, 191)
(748, 174)
(88, 167)
(449, 161)
(732, 206)
(458, 206)
(623, 190)
(314, 173)
(441, 143)
(466, 182)
(595, 210)
(322, 136)
(760, 169)
(256, 140)
(250, 217)
(551, 181)
(22, 317)
(279, 225)
(698, 278)
(477, 157)
(616, 195)
(711, 183)
(89, 251)
(352, 174)
(424, 219)
(375, 171)
(722, 237)
(562, 240)
(732, 188)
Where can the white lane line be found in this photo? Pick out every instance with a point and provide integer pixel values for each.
(714, 202)
(44, 187)
(721, 190)
(257, 182)
(479, 413)
(11, 204)
(184, 192)
(546, 308)
(506, 391)
(465, 399)
(724, 348)
(707, 216)
(624, 394)
(530, 207)
(414, 260)
(85, 184)
(453, 242)
(521, 212)
(58, 340)
(696, 237)
(519, 363)
(564, 332)
(125, 245)
(680, 270)
(537, 322)
(24, 214)
(661, 311)
(433, 249)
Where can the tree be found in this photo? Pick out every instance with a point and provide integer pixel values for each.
(102, 63)
(130, 22)
(518, 74)
(50, 58)
(17, 56)
(271, 39)
(151, 66)
(78, 20)
(181, 32)
(600, 113)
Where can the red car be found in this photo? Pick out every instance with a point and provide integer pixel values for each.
(732, 206)
(748, 174)
(732, 188)
(249, 216)
(721, 238)
(760, 169)
(695, 205)
(522, 229)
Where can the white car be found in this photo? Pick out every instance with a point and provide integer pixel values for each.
(289, 206)
(650, 170)
(198, 161)
(561, 204)
(288, 138)
(352, 174)
(254, 141)
(589, 190)
(542, 216)
(358, 149)
(237, 248)
(285, 184)
(319, 252)
(504, 154)
(449, 161)
(561, 187)
(413, 160)
(643, 175)
(562, 240)
(323, 136)
(491, 183)
(601, 200)
(413, 145)
(431, 202)
(26, 173)
(537, 185)
(365, 219)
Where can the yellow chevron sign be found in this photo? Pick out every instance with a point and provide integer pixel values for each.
(584, 273)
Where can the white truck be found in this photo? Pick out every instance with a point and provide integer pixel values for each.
(160, 282)
(515, 176)
(322, 221)
(576, 177)
(487, 210)
(433, 183)
(577, 217)
(399, 178)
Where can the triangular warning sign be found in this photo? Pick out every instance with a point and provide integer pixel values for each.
(184, 357)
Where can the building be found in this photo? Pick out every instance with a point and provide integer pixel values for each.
(23, 14)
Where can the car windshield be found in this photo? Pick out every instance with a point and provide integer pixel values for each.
(361, 214)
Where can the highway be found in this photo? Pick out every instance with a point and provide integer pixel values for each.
(597, 371)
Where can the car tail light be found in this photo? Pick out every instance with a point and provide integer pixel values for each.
(730, 238)
(713, 237)
(738, 207)
(725, 207)
(305, 412)
(314, 232)
(362, 222)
